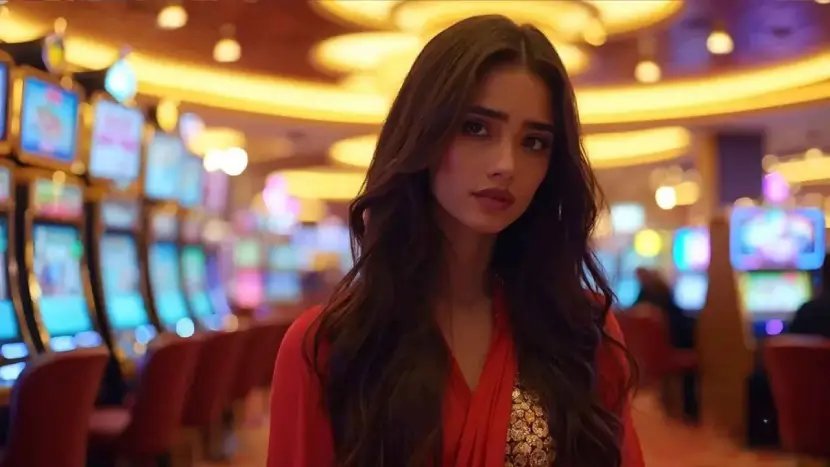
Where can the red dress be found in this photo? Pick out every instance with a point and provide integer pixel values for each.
(476, 422)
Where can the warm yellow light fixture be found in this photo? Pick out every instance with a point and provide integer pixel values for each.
(666, 197)
(322, 184)
(227, 50)
(800, 81)
(823, 2)
(647, 72)
(648, 243)
(720, 42)
(618, 17)
(167, 115)
(172, 17)
(605, 150)
(217, 138)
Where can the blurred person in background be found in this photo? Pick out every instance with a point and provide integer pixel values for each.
(655, 290)
(462, 336)
(813, 318)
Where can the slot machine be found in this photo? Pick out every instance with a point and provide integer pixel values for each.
(193, 258)
(248, 283)
(114, 139)
(55, 286)
(690, 253)
(163, 171)
(16, 344)
(215, 235)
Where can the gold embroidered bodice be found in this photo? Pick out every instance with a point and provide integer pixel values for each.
(529, 442)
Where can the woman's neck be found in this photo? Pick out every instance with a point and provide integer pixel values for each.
(467, 256)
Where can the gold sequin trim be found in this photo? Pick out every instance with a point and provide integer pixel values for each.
(529, 442)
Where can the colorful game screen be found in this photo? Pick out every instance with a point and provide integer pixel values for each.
(119, 214)
(282, 258)
(57, 266)
(774, 292)
(4, 102)
(192, 182)
(627, 290)
(248, 288)
(690, 249)
(163, 172)
(216, 192)
(774, 239)
(166, 283)
(57, 200)
(122, 284)
(5, 184)
(49, 121)
(115, 149)
(9, 330)
(246, 253)
(216, 285)
(281, 286)
(194, 266)
(690, 291)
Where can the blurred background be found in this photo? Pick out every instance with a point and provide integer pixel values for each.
(185, 167)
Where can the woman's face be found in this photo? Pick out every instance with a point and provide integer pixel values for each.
(500, 154)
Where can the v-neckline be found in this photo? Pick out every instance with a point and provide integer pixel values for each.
(457, 379)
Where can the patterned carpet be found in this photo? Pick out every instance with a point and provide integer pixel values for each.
(666, 442)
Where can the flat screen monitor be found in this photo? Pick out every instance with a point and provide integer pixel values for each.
(163, 172)
(191, 186)
(58, 250)
(194, 266)
(166, 283)
(690, 249)
(49, 121)
(771, 294)
(122, 283)
(775, 239)
(283, 286)
(115, 148)
(627, 290)
(9, 328)
(690, 291)
(4, 102)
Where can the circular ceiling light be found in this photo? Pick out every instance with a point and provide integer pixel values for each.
(172, 17)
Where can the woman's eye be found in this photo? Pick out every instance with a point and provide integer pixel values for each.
(474, 128)
(536, 144)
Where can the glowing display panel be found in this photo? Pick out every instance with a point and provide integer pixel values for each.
(690, 291)
(690, 249)
(49, 121)
(774, 293)
(57, 200)
(165, 155)
(4, 101)
(5, 184)
(115, 151)
(194, 266)
(166, 283)
(57, 266)
(191, 186)
(9, 329)
(122, 282)
(774, 239)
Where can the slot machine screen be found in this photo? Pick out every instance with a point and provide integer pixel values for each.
(690, 291)
(49, 121)
(246, 253)
(57, 267)
(690, 249)
(216, 192)
(194, 266)
(115, 149)
(627, 291)
(122, 290)
(774, 293)
(166, 283)
(282, 258)
(283, 286)
(774, 239)
(192, 182)
(4, 91)
(163, 173)
(9, 329)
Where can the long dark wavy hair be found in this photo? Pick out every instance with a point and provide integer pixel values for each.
(377, 349)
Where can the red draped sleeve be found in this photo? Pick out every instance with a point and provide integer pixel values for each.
(300, 431)
(613, 373)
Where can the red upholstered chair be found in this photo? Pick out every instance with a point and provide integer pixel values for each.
(50, 408)
(149, 427)
(258, 356)
(799, 373)
(270, 355)
(212, 383)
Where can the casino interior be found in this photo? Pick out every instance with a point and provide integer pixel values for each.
(143, 299)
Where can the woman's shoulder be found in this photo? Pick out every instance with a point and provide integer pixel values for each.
(613, 370)
(298, 338)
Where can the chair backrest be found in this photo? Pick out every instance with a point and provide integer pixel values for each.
(255, 355)
(798, 368)
(164, 379)
(50, 408)
(212, 381)
(647, 338)
(269, 357)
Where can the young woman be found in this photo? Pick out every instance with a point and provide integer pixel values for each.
(464, 336)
